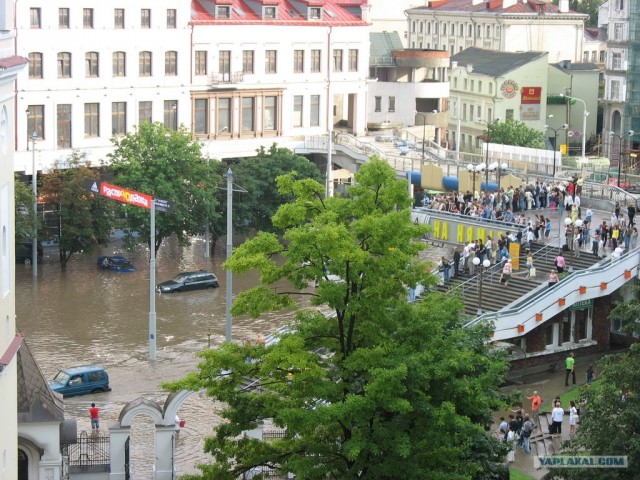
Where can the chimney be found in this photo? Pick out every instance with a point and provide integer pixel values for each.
(454, 64)
(470, 68)
(563, 6)
(364, 15)
(476, 2)
(508, 3)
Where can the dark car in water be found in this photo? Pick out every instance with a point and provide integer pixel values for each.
(187, 281)
(24, 253)
(115, 263)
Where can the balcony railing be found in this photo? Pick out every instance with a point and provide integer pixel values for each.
(226, 78)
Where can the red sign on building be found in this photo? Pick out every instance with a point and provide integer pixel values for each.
(531, 95)
(125, 196)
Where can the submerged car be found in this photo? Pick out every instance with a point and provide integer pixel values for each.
(24, 252)
(115, 263)
(186, 281)
(80, 380)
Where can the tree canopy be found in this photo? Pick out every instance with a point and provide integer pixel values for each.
(375, 388)
(513, 132)
(610, 420)
(26, 220)
(590, 7)
(166, 164)
(84, 218)
(257, 175)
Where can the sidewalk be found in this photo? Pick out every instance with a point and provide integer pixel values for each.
(548, 385)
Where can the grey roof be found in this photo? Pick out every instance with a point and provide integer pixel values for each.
(382, 44)
(566, 65)
(492, 62)
(36, 401)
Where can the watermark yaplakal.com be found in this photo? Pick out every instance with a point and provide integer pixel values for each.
(586, 461)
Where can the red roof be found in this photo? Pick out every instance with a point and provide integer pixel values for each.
(11, 351)
(334, 12)
(13, 61)
(493, 6)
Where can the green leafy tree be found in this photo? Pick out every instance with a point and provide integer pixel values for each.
(26, 220)
(590, 7)
(257, 175)
(380, 388)
(513, 132)
(84, 219)
(610, 420)
(166, 164)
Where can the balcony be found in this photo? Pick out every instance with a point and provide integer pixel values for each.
(217, 79)
(417, 58)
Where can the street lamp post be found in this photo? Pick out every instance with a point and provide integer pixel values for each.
(424, 126)
(555, 141)
(620, 138)
(499, 167)
(34, 188)
(473, 169)
(485, 264)
(583, 158)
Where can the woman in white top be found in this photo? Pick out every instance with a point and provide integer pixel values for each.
(573, 418)
(557, 414)
(511, 441)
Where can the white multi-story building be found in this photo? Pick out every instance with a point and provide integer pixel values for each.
(10, 66)
(503, 25)
(622, 76)
(244, 74)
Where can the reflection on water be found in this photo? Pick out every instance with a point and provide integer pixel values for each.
(89, 315)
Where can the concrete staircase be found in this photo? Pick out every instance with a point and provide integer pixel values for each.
(495, 295)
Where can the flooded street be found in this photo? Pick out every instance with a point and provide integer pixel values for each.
(88, 315)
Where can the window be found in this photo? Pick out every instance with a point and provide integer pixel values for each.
(118, 18)
(615, 90)
(353, 60)
(455, 82)
(470, 31)
(269, 12)
(91, 119)
(471, 113)
(223, 12)
(617, 31)
(461, 30)
(464, 111)
(497, 31)
(444, 29)
(314, 111)
(315, 61)
(119, 64)
(297, 110)
(36, 21)
(35, 65)
(87, 17)
(145, 64)
(171, 18)
(91, 68)
(466, 84)
(488, 31)
(594, 56)
(247, 61)
(201, 62)
(171, 114)
(479, 112)
(603, 56)
(145, 18)
(63, 18)
(298, 61)
(118, 118)
(171, 63)
(509, 113)
(619, 4)
(337, 60)
(63, 126)
(270, 113)
(616, 61)
(315, 13)
(248, 107)
(35, 120)
(224, 115)
(64, 65)
(489, 115)
(472, 85)
(392, 104)
(270, 61)
(224, 65)
(378, 106)
(585, 57)
(144, 112)
(479, 86)
(201, 119)
(490, 88)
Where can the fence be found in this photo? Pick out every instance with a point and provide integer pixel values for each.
(90, 452)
